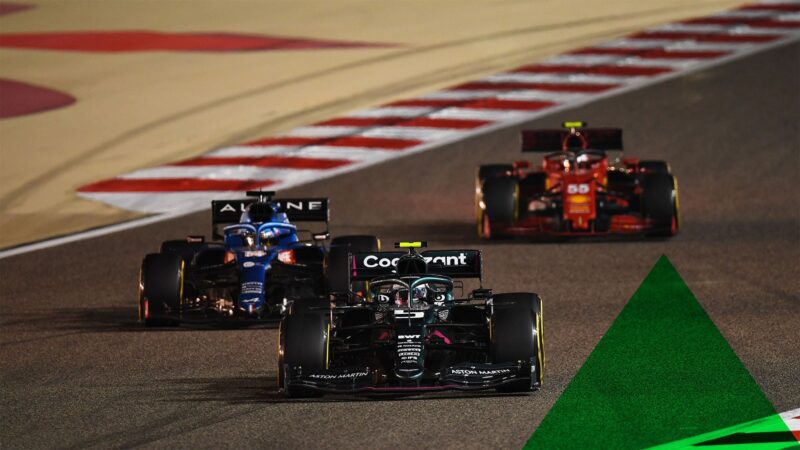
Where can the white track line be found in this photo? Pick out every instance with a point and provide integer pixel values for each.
(313, 151)
(239, 172)
(577, 78)
(641, 44)
(394, 111)
(620, 60)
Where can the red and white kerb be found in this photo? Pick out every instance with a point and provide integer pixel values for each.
(374, 135)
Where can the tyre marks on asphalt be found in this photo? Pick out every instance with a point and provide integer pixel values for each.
(403, 127)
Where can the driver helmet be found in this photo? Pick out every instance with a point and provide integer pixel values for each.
(270, 237)
(422, 293)
(583, 161)
(400, 295)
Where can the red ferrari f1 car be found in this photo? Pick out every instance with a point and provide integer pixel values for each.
(576, 191)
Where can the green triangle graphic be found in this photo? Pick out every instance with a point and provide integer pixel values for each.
(661, 373)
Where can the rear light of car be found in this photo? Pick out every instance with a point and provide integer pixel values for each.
(286, 256)
(229, 257)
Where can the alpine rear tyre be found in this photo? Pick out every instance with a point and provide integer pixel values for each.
(161, 289)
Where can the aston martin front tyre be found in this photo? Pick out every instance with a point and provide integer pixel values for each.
(305, 344)
(517, 335)
(161, 289)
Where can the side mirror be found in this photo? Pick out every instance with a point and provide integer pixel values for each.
(522, 164)
(321, 236)
(481, 293)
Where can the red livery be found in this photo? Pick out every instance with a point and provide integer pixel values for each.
(576, 191)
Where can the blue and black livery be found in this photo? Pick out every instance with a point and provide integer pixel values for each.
(256, 266)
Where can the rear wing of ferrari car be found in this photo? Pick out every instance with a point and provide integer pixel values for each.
(451, 263)
(226, 212)
(550, 141)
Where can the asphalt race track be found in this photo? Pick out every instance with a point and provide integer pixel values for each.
(78, 371)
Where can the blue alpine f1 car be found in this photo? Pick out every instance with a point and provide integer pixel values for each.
(254, 268)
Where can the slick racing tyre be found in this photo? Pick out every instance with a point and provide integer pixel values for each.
(660, 203)
(500, 198)
(305, 343)
(161, 289)
(486, 171)
(337, 263)
(517, 335)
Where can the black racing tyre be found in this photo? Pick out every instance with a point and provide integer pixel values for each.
(660, 203)
(161, 289)
(304, 342)
(486, 171)
(499, 196)
(517, 334)
(653, 166)
(337, 262)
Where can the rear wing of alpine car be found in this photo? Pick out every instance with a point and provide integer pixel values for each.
(226, 212)
(451, 263)
(549, 141)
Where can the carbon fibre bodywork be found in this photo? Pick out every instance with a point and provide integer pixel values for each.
(411, 335)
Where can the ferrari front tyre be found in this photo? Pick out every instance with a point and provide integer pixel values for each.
(305, 344)
(517, 334)
(161, 289)
(660, 203)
